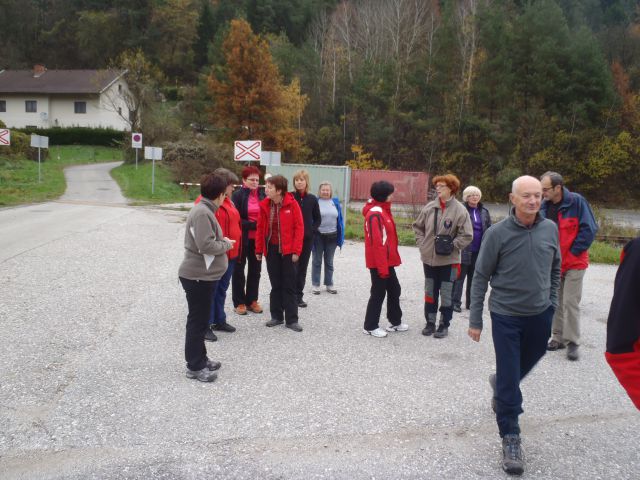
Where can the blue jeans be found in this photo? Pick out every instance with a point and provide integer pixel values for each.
(324, 245)
(519, 343)
(219, 296)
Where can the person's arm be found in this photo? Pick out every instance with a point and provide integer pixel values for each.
(204, 236)
(315, 216)
(486, 264)
(464, 232)
(379, 249)
(340, 223)
(556, 265)
(419, 226)
(260, 234)
(587, 228)
(298, 231)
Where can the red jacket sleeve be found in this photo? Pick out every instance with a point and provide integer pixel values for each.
(378, 244)
(260, 231)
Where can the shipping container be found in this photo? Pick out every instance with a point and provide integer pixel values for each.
(411, 188)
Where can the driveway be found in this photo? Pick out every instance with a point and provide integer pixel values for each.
(92, 373)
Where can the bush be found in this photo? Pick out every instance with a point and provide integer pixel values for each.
(19, 144)
(105, 137)
(189, 160)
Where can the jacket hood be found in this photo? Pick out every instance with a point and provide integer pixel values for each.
(386, 206)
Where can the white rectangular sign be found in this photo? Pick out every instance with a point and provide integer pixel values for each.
(136, 140)
(153, 153)
(5, 137)
(38, 141)
(270, 158)
(247, 150)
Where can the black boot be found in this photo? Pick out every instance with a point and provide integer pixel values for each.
(429, 329)
(442, 332)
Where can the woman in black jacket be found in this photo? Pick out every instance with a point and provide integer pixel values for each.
(311, 217)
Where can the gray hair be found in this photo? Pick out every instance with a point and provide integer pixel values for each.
(555, 177)
(470, 190)
(226, 174)
(322, 184)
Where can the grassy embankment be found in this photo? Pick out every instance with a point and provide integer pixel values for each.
(19, 176)
(136, 185)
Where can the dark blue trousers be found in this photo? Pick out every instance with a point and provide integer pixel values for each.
(519, 343)
(218, 316)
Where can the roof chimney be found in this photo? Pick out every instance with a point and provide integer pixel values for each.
(38, 70)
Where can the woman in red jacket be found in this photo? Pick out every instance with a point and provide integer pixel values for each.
(279, 238)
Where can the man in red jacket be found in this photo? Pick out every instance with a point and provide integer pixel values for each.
(382, 256)
(623, 325)
(279, 236)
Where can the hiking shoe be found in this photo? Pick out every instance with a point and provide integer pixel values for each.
(403, 327)
(494, 402)
(255, 307)
(295, 326)
(302, 304)
(429, 329)
(241, 309)
(209, 336)
(274, 322)
(554, 345)
(330, 289)
(441, 332)
(378, 332)
(204, 375)
(316, 290)
(223, 327)
(213, 365)
(512, 457)
(572, 352)
(457, 308)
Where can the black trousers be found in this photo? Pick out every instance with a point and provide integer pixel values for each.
(465, 271)
(282, 274)
(239, 295)
(199, 295)
(303, 263)
(381, 287)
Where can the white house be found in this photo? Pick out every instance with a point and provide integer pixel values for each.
(63, 98)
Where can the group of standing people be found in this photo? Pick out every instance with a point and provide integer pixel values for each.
(227, 231)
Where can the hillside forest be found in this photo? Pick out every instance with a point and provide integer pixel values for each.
(487, 89)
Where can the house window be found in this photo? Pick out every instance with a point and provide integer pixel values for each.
(3, 105)
(30, 106)
(79, 107)
(119, 88)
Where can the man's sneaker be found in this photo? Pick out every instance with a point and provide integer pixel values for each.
(316, 290)
(429, 329)
(403, 327)
(302, 304)
(204, 375)
(209, 336)
(457, 308)
(223, 327)
(330, 289)
(441, 332)
(512, 457)
(295, 326)
(255, 307)
(274, 322)
(572, 352)
(378, 332)
(241, 309)
(494, 402)
(213, 365)
(554, 345)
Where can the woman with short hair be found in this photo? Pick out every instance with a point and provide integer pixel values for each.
(443, 229)
(205, 261)
(327, 238)
(480, 221)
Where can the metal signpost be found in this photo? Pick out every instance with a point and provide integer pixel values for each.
(136, 142)
(153, 154)
(38, 141)
(270, 159)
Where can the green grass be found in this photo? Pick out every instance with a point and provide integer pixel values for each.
(19, 176)
(600, 252)
(136, 184)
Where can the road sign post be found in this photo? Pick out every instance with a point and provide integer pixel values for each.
(136, 142)
(39, 142)
(153, 154)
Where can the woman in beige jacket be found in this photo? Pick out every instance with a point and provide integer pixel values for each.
(445, 218)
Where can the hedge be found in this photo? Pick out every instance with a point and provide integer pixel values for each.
(105, 137)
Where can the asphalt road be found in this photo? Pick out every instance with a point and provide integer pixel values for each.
(92, 375)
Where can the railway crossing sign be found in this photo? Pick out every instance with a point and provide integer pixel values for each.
(247, 150)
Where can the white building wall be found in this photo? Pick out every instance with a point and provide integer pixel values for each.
(16, 115)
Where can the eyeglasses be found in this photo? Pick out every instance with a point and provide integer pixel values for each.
(442, 185)
(252, 179)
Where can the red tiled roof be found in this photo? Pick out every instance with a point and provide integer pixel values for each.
(57, 81)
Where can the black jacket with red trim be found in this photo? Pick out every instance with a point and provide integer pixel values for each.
(623, 325)
(380, 237)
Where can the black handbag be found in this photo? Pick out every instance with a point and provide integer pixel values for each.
(443, 243)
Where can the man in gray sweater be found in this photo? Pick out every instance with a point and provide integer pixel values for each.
(520, 257)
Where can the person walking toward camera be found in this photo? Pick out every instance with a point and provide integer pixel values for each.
(328, 237)
(204, 263)
(245, 290)
(382, 256)
(279, 238)
(311, 216)
(520, 257)
(481, 221)
(443, 229)
(577, 230)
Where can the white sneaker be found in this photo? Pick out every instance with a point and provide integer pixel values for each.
(403, 327)
(316, 290)
(378, 332)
